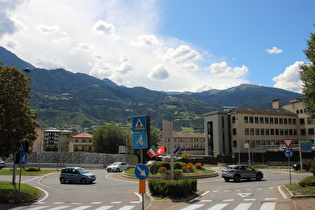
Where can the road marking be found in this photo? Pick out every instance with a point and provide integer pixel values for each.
(192, 200)
(282, 193)
(250, 199)
(81, 208)
(59, 207)
(268, 206)
(115, 202)
(228, 200)
(39, 207)
(139, 196)
(243, 195)
(96, 202)
(218, 206)
(193, 207)
(206, 201)
(104, 208)
(243, 206)
(58, 203)
(135, 202)
(270, 199)
(127, 207)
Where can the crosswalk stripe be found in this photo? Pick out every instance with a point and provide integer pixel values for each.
(115, 202)
(96, 202)
(228, 200)
(218, 206)
(193, 207)
(59, 207)
(39, 207)
(103, 207)
(268, 206)
(243, 206)
(127, 207)
(81, 207)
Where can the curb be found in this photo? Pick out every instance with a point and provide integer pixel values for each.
(205, 176)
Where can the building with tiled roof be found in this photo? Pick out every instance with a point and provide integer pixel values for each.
(81, 142)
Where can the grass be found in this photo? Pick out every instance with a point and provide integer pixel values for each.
(24, 172)
(9, 191)
(298, 190)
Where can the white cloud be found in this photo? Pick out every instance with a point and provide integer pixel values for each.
(47, 30)
(159, 73)
(274, 50)
(80, 48)
(223, 70)
(146, 40)
(181, 54)
(105, 28)
(189, 67)
(290, 79)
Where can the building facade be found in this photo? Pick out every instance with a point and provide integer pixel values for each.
(56, 139)
(257, 129)
(81, 142)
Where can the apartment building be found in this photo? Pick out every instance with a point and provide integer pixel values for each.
(81, 142)
(57, 138)
(257, 129)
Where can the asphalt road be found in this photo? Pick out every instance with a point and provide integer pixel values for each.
(110, 192)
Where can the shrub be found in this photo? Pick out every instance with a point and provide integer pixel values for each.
(308, 181)
(313, 167)
(33, 169)
(307, 164)
(162, 169)
(179, 165)
(167, 175)
(185, 156)
(173, 188)
(159, 164)
(190, 167)
(199, 166)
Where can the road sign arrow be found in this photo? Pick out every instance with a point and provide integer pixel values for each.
(142, 172)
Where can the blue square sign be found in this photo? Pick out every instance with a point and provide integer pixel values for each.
(139, 124)
(139, 141)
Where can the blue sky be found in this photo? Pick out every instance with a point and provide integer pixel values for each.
(170, 45)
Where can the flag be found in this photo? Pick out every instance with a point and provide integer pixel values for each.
(152, 151)
(160, 151)
(176, 150)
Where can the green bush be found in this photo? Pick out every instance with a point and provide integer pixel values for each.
(167, 175)
(308, 181)
(313, 167)
(33, 169)
(173, 188)
(179, 165)
(307, 164)
(159, 164)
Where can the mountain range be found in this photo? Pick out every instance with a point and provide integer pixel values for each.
(65, 99)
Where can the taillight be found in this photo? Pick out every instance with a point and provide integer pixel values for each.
(230, 171)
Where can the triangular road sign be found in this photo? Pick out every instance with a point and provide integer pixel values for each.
(288, 142)
(138, 125)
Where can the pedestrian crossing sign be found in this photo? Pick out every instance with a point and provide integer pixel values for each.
(140, 124)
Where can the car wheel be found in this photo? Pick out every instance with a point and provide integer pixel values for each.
(117, 170)
(62, 180)
(108, 170)
(258, 177)
(237, 178)
(83, 181)
(226, 179)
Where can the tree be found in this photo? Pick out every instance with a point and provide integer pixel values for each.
(313, 167)
(307, 75)
(154, 137)
(17, 120)
(107, 138)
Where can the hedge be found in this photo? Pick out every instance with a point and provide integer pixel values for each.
(308, 181)
(177, 164)
(173, 188)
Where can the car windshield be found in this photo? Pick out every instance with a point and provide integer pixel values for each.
(115, 164)
(82, 171)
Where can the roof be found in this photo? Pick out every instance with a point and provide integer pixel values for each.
(261, 110)
(188, 135)
(83, 135)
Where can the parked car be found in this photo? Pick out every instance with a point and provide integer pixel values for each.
(238, 172)
(296, 166)
(76, 174)
(2, 164)
(117, 167)
(150, 162)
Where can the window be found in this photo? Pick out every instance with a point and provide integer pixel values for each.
(267, 132)
(297, 111)
(272, 131)
(258, 143)
(263, 142)
(256, 120)
(309, 121)
(251, 119)
(285, 121)
(286, 132)
(257, 131)
(294, 121)
(246, 131)
(252, 131)
(295, 132)
(233, 119)
(301, 111)
(277, 132)
(245, 119)
(280, 120)
(266, 120)
(303, 132)
(261, 120)
(252, 143)
(311, 131)
(276, 120)
(234, 131)
(271, 120)
(290, 121)
(281, 132)
(234, 143)
(290, 132)
(262, 131)
(302, 121)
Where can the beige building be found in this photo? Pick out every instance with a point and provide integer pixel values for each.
(81, 142)
(38, 144)
(193, 143)
(257, 129)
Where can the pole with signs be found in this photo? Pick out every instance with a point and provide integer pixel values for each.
(142, 172)
(288, 152)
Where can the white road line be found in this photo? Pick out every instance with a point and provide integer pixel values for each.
(193, 207)
(58, 203)
(205, 201)
(39, 207)
(243, 206)
(140, 197)
(115, 202)
(270, 199)
(46, 195)
(192, 200)
(282, 193)
(228, 200)
(250, 199)
(59, 207)
(268, 206)
(104, 208)
(218, 206)
(81, 208)
(126, 207)
(96, 202)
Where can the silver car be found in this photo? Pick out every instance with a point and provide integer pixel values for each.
(238, 172)
(118, 166)
(2, 164)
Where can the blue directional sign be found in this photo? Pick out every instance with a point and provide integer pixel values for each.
(288, 153)
(139, 123)
(306, 146)
(23, 158)
(142, 171)
(139, 140)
